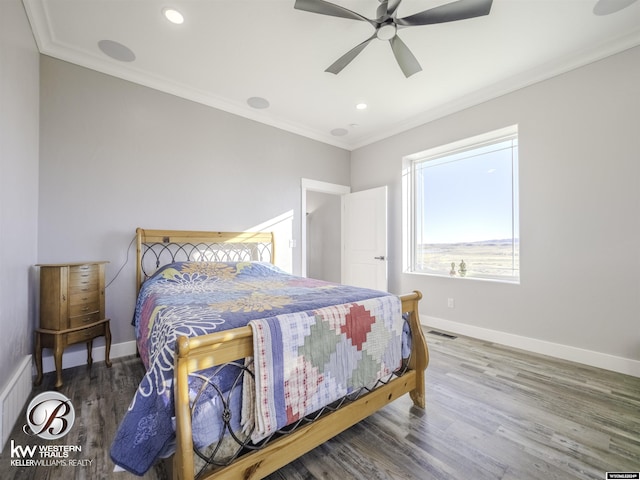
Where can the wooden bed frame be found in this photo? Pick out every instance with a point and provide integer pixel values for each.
(197, 353)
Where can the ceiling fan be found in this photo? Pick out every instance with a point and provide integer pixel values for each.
(387, 25)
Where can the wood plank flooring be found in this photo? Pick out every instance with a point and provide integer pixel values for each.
(493, 412)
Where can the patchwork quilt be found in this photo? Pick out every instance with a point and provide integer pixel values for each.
(197, 298)
(306, 360)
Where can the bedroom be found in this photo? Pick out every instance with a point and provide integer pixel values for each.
(579, 195)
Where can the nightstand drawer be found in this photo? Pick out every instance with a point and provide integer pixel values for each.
(82, 270)
(83, 288)
(84, 298)
(86, 334)
(84, 308)
(83, 320)
(82, 277)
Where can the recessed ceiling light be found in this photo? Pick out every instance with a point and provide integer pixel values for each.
(173, 16)
(361, 106)
(116, 50)
(258, 102)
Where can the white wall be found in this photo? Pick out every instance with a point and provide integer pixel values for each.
(18, 183)
(115, 156)
(579, 137)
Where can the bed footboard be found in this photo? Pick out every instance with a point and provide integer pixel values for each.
(198, 353)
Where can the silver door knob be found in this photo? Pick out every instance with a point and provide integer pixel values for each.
(379, 258)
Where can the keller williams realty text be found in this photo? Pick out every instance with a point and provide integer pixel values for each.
(51, 462)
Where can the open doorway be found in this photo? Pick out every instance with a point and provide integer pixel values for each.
(321, 229)
(323, 236)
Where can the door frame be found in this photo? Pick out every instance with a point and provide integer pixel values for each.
(308, 185)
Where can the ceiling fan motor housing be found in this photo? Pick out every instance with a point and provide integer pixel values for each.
(386, 31)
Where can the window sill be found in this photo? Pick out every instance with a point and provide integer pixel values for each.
(508, 280)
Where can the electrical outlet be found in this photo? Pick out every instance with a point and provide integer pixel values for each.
(450, 303)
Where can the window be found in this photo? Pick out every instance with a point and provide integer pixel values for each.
(461, 208)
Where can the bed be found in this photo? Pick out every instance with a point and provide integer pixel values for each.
(249, 367)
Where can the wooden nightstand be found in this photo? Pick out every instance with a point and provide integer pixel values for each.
(72, 310)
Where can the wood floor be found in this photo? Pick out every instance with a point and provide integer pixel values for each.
(493, 412)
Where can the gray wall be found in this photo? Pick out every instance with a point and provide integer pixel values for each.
(579, 212)
(18, 183)
(324, 236)
(115, 156)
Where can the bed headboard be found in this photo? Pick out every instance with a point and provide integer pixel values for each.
(156, 248)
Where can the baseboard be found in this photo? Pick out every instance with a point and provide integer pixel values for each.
(13, 398)
(626, 366)
(78, 357)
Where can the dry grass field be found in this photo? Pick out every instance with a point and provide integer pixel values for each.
(493, 258)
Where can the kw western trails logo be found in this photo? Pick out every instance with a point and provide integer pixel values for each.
(50, 416)
(46, 456)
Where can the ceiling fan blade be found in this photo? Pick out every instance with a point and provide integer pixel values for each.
(337, 66)
(408, 63)
(326, 8)
(392, 7)
(381, 12)
(450, 12)
(387, 9)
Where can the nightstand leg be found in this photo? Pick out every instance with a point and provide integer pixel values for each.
(38, 352)
(57, 357)
(89, 349)
(107, 344)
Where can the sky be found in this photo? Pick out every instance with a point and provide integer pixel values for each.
(469, 198)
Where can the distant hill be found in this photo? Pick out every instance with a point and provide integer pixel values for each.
(490, 243)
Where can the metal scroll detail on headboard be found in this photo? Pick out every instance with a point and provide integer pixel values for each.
(157, 248)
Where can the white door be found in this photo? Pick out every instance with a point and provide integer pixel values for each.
(364, 239)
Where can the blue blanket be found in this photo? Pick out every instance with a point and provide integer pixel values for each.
(196, 298)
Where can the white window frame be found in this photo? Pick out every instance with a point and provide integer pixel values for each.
(409, 197)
